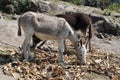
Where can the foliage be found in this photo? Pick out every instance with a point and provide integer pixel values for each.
(114, 7)
(77, 2)
(21, 6)
(14, 6)
(107, 12)
(108, 5)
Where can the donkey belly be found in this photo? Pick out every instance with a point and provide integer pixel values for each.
(46, 36)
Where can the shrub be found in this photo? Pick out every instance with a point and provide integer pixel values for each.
(21, 6)
(114, 7)
(77, 2)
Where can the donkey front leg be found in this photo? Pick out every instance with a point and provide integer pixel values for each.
(61, 48)
(65, 46)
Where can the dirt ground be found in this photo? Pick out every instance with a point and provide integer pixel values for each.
(8, 37)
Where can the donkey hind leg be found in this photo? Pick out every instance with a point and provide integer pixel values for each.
(90, 45)
(25, 50)
(86, 44)
(26, 44)
(30, 54)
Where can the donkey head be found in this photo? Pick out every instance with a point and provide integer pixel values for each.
(81, 50)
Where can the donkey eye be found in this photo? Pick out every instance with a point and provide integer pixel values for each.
(78, 36)
(78, 44)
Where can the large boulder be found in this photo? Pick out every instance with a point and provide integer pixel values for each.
(106, 24)
(39, 6)
(9, 9)
(51, 7)
(111, 26)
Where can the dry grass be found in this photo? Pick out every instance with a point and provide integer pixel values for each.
(46, 66)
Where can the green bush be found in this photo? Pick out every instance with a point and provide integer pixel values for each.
(114, 7)
(77, 2)
(21, 6)
(18, 6)
(107, 12)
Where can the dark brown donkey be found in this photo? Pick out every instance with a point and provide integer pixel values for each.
(80, 22)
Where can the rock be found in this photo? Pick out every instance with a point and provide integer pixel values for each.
(106, 24)
(14, 17)
(117, 15)
(96, 17)
(9, 9)
(111, 26)
(1, 17)
(57, 7)
(106, 35)
(100, 36)
(39, 6)
(118, 33)
(103, 36)
(98, 26)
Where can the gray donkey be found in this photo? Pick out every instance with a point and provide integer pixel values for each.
(47, 27)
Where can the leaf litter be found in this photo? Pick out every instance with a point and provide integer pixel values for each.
(46, 66)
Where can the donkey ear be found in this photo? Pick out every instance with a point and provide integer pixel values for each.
(78, 44)
(81, 42)
(78, 37)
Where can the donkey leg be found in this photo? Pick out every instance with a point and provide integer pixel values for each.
(30, 54)
(61, 48)
(65, 46)
(90, 45)
(87, 44)
(24, 49)
(28, 35)
(35, 41)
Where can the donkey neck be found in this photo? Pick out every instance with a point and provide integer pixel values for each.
(73, 38)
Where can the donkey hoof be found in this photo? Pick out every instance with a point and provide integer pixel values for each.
(31, 55)
(64, 66)
(31, 58)
(84, 63)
